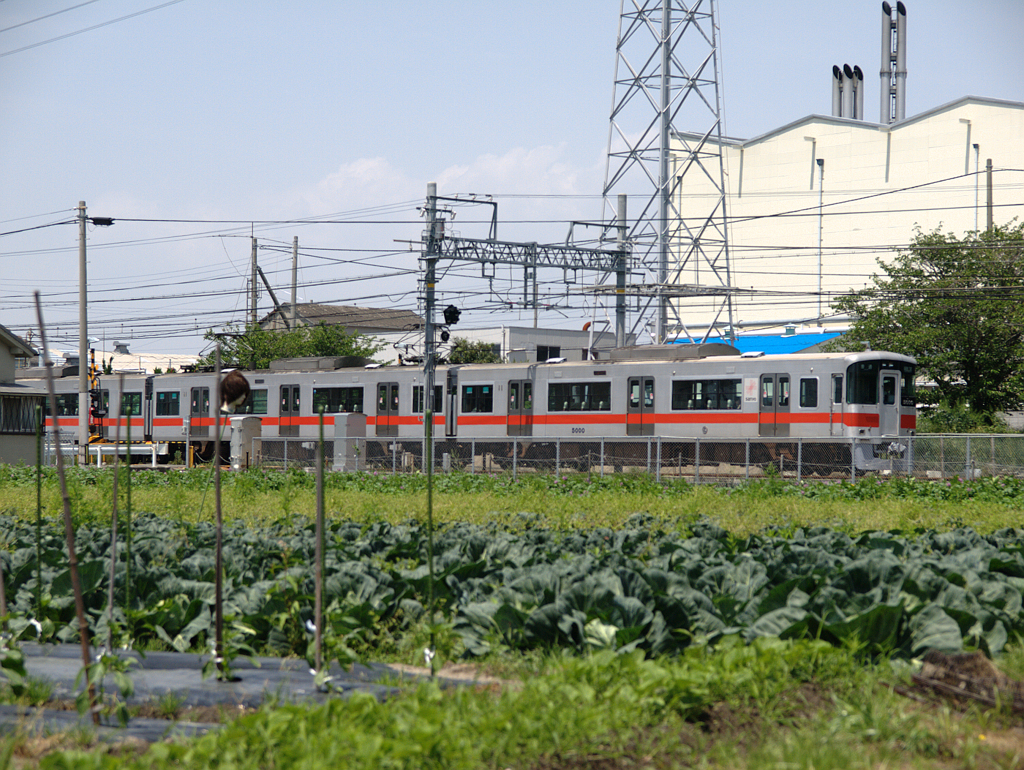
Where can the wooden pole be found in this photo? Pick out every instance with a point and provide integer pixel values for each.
(69, 527)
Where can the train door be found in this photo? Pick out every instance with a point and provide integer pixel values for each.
(387, 409)
(640, 406)
(288, 424)
(451, 414)
(774, 419)
(835, 420)
(520, 408)
(198, 412)
(889, 408)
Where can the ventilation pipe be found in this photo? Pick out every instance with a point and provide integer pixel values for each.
(901, 61)
(858, 93)
(848, 86)
(837, 91)
(885, 73)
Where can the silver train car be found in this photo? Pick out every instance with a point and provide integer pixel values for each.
(676, 392)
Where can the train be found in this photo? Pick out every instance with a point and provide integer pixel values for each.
(853, 402)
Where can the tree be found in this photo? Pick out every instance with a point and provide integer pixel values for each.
(957, 306)
(255, 347)
(466, 352)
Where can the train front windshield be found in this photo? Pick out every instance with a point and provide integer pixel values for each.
(863, 383)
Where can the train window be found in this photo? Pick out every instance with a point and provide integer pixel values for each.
(767, 391)
(417, 399)
(907, 394)
(837, 392)
(168, 402)
(783, 390)
(336, 400)
(256, 403)
(67, 405)
(888, 391)
(477, 398)
(862, 383)
(131, 404)
(707, 394)
(582, 396)
(808, 392)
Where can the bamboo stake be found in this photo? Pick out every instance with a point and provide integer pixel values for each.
(113, 523)
(318, 616)
(219, 563)
(69, 527)
(40, 422)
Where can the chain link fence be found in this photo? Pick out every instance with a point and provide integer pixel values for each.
(694, 460)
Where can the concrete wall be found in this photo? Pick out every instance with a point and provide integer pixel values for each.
(880, 183)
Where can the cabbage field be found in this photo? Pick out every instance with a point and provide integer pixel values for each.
(520, 585)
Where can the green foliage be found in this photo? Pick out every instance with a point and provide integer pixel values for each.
(255, 347)
(465, 352)
(107, 664)
(953, 305)
(959, 419)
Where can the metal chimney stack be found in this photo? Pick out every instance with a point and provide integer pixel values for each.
(848, 92)
(848, 88)
(837, 91)
(893, 73)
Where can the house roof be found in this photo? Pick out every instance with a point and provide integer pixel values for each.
(16, 343)
(351, 316)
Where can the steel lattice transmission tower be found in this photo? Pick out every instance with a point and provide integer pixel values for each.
(666, 90)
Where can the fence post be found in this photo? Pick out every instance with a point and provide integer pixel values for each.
(799, 458)
(515, 459)
(967, 459)
(472, 456)
(286, 454)
(602, 458)
(853, 460)
(746, 460)
(696, 461)
(558, 455)
(658, 472)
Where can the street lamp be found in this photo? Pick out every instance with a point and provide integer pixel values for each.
(821, 184)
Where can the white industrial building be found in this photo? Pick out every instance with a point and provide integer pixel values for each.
(857, 188)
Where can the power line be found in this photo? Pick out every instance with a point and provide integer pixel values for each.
(88, 29)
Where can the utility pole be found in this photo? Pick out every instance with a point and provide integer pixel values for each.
(252, 292)
(620, 273)
(295, 281)
(83, 347)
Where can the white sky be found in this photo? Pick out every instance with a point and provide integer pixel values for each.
(265, 111)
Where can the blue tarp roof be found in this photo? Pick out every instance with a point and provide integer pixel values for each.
(770, 344)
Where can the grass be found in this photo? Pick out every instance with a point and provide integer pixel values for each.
(572, 501)
(771, 704)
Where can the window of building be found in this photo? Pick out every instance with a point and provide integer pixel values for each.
(544, 352)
